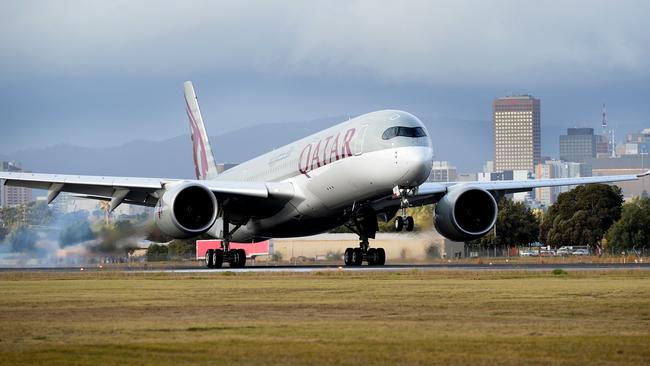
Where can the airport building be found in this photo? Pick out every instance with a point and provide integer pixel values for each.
(441, 171)
(517, 133)
(630, 164)
(13, 196)
(578, 145)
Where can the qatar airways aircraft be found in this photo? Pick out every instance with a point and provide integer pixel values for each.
(367, 168)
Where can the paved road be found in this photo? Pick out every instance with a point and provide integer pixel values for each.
(387, 268)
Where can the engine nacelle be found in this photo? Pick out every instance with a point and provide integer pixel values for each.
(186, 210)
(466, 213)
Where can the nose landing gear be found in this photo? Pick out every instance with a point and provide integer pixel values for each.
(404, 222)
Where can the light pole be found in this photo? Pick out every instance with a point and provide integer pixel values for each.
(642, 170)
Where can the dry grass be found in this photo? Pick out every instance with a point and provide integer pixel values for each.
(598, 318)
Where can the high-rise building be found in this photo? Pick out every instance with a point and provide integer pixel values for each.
(558, 169)
(13, 196)
(517, 133)
(578, 145)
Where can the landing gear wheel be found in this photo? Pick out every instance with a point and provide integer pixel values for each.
(357, 256)
(217, 258)
(409, 224)
(372, 256)
(381, 257)
(347, 257)
(238, 258)
(399, 223)
(242, 258)
(209, 258)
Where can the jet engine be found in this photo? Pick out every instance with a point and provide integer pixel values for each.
(466, 213)
(186, 210)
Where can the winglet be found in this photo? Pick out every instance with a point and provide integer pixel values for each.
(644, 174)
(202, 152)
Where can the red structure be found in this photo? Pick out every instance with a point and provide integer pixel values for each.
(251, 249)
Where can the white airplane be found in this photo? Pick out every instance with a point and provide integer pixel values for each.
(369, 167)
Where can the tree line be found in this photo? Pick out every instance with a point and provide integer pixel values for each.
(590, 215)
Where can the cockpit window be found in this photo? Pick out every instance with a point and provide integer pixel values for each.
(403, 131)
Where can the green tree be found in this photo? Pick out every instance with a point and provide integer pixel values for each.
(22, 239)
(516, 225)
(157, 252)
(3, 231)
(581, 216)
(633, 228)
(39, 214)
(182, 249)
(156, 235)
(115, 238)
(75, 232)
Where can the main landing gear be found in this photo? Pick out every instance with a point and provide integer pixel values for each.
(365, 225)
(214, 258)
(356, 256)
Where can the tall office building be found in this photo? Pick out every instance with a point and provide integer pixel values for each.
(578, 145)
(13, 196)
(517, 133)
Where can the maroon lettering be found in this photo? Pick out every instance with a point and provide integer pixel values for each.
(327, 142)
(304, 168)
(315, 158)
(335, 148)
(345, 149)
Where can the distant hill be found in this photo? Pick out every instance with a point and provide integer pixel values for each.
(465, 143)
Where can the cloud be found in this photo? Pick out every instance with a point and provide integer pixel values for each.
(438, 42)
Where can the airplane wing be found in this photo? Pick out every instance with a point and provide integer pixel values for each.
(140, 191)
(432, 192)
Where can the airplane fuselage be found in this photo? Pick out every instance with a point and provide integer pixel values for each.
(333, 170)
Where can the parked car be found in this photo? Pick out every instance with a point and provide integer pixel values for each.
(547, 253)
(580, 252)
(526, 253)
(564, 251)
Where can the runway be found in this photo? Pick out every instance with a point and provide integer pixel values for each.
(332, 268)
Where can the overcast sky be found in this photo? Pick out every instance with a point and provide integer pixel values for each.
(99, 73)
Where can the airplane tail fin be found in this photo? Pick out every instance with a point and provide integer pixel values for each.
(204, 163)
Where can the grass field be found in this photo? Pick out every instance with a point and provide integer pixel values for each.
(412, 318)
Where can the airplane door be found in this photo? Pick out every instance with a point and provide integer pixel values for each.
(358, 143)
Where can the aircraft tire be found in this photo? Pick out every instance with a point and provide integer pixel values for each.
(399, 223)
(209, 258)
(357, 256)
(238, 258)
(409, 224)
(242, 258)
(217, 259)
(372, 256)
(347, 257)
(381, 257)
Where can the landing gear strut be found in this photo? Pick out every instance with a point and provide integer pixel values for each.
(214, 258)
(404, 221)
(365, 225)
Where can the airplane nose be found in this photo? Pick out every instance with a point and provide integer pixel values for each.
(417, 163)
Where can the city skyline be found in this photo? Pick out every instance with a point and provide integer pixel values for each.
(101, 74)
